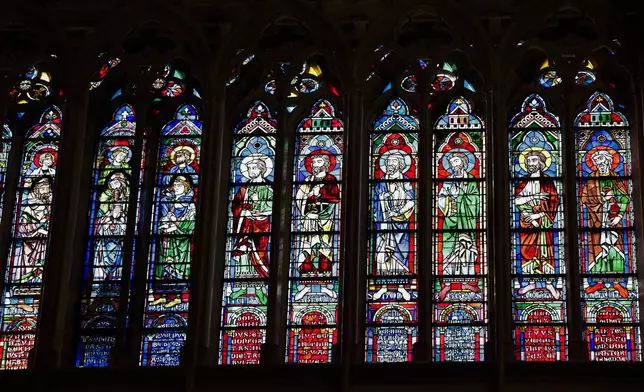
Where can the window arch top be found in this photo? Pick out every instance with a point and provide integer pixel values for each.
(459, 116)
(48, 126)
(186, 123)
(396, 117)
(600, 112)
(534, 114)
(122, 124)
(258, 120)
(322, 119)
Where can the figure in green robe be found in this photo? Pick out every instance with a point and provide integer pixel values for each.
(459, 201)
(177, 223)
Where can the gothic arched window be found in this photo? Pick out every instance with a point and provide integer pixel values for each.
(607, 264)
(428, 206)
(249, 228)
(112, 197)
(145, 184)
(392, 280)
(460, 239)
(32, 211)
(171, 251)
(537, 222)
(314, 270)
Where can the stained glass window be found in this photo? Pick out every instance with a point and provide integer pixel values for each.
(171, 248)
(392, 280)
(34, 86)
(103, 71)
(170, 83)
(549, 76)
(30, 239)
(5, 149)
(460, 243)
(108, 243)
(586, 75)
(250, 218)
(314, 267)
(537, 240)
(607, 258)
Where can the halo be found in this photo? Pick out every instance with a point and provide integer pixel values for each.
(612, 151)
(471, 159)
(243, 166)
(183, 147)
(542, 150)
(402, 153)
(44, 150)
(309, 157)
(114, 149)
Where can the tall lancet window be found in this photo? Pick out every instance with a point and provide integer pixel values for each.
(249, 229)
(537, 240)
(171, 251)
(112, 194)
(314, 268)
(607, 258)
(392, 280)
(32, 212)
(30, 240)
(459, 239)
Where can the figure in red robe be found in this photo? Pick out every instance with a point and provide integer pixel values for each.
(537, 200)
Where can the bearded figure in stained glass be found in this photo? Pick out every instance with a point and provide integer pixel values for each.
(110, 226)
(182, 161)
(316, 202)
(606, 200)
(393, 209)
(176, 224)
(34, 230)
(459, 202)
(251, 209)
(537, 201)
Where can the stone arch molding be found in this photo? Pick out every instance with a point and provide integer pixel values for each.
(247, 32)
(191, 44)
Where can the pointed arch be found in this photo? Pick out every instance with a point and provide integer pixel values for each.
(314, 267)
(534, 114)
(606, 220)
(392, 280)
(460, 265)
(29, 240)
(537, 224)
(172, 238)
(109, 247)
(249, 238)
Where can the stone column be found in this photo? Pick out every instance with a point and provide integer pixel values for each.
(66, 230)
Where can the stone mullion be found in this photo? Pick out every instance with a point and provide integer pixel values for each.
(140, 106)
(134, 331)
(577, 350)
(500, 347)
(274, 348)
(200, 303)
(65, 232)
(352, 282)
(73, 331)
(216, 150)
(423, 350)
